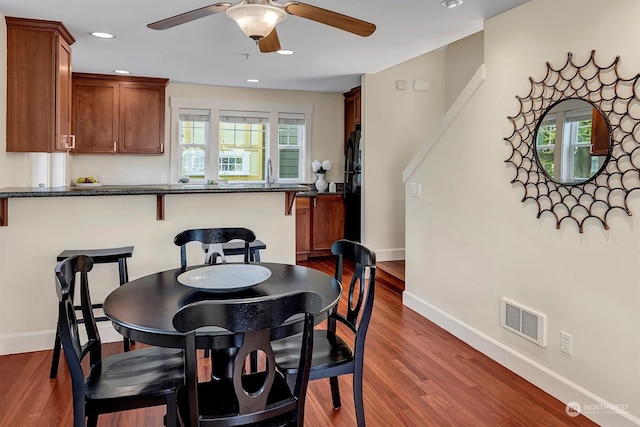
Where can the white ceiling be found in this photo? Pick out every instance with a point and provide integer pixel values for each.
(213, 50)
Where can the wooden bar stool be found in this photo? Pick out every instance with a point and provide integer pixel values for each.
(99, 256)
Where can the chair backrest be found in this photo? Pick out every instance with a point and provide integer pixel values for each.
(74, 348)
(361, 289)
(212, 240)
(253, 320)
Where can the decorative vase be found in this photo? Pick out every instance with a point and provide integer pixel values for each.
(321, 184)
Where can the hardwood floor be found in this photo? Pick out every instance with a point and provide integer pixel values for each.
(416, 374)
(394, 269)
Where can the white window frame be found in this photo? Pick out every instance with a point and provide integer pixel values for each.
(180, 145)
(301, 146)
(215, 106)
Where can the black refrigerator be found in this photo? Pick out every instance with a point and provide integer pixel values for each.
(352, 189)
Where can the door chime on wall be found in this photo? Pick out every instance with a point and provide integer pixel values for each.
(616, 169)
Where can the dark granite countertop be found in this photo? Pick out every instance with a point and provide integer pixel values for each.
(124, 190)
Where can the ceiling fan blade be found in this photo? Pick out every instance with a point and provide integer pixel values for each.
(333, 19)
(271, 43)
(192, 15)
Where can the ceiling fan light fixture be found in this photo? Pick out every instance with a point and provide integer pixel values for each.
(451, 3)
(256, 20)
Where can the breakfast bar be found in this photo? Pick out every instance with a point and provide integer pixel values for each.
(160, 191)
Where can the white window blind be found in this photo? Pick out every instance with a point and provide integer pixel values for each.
(244, 117)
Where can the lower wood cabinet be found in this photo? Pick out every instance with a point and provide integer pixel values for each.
(319, 223)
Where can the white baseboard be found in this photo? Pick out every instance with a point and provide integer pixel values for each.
(43, 340)
(594, 407)
(389, 254)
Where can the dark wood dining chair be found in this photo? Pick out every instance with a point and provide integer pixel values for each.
(256, 398)
(129, 380)
(332, 355)
(213, 240)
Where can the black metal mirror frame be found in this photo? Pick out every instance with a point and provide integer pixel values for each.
(618, 100)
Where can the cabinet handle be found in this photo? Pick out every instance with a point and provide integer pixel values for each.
(73, 142)
(314, 202)
(162, 147)
(115, 146)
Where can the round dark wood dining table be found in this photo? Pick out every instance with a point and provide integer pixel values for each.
(143, 309)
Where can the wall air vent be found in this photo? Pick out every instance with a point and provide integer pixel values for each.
(523, 321)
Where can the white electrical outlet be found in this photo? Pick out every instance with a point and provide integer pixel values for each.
(163, 179)
(415, 189)
(565, 343)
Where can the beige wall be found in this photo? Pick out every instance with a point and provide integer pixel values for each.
(471, 241)
(395, 124)
(462, 59)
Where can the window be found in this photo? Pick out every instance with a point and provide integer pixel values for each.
(563, 143)
(194, 134)
(546, 143)
(290, 138)
(242, 145)
(236, 141)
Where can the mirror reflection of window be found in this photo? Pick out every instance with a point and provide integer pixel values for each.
(564, 142)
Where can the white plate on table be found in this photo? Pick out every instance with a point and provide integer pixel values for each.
(88, 184)
(224, 277)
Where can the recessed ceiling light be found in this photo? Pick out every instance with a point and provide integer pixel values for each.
(122, 71)
(253, 81)
(285, 52)
(451, 3)
(102, 35)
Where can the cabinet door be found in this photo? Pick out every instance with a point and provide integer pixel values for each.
(141, 118)
(95, 116)
(599, 135)
(327, 220)
(303, 227)
(38, 85)
(31, 90)
(357, 100)
(64, 139)
(352, 111)
(349, 124)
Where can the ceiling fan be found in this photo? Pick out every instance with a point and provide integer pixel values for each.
(258, 19)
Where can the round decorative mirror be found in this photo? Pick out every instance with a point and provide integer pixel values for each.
(575, 145)
(572, 141)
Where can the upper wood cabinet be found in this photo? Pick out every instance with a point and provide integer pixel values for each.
(38, 86)
(118, 114)
(352, 111)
